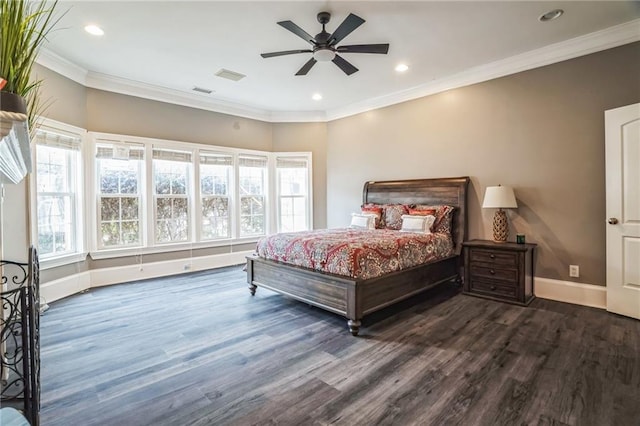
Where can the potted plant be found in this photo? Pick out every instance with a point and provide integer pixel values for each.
(23, 28)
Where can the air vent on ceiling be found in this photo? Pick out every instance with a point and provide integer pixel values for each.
(202, 90)
(230, 75)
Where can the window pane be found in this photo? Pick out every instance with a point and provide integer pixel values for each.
(129, 207)
(55, 224)
(214, 179)
(119, 211)
(293, 181)
(293, 214)
(215, 218)
(128, 182)
(55, 195)
(252, 215)
(110, 234)
(130, 232)
(172, 222)
(292, 175)
(252, 184)
(108, 181)
(109, 208)
(171, 177)
(163, 208)
(53, 169)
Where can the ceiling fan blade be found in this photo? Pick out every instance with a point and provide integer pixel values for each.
(344, 65)
(350, 23)
(306, 67)
(298, 31)
(364, 48)
(284, 52)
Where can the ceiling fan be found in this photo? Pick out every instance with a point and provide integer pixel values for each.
(325, 44)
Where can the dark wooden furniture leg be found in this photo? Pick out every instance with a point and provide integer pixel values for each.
(354, 326)
(252, 289)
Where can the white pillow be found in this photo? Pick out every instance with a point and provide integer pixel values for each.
(415, 223)
(363, 221)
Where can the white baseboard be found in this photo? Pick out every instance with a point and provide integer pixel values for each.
(76, 283)
(63, 287)
(566, 291)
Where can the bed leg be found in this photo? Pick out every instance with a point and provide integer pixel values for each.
(252, 289)
(354, 327)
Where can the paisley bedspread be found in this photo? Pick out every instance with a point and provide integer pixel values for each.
(356, 253)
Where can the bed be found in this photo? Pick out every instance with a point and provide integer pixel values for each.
(354, 297)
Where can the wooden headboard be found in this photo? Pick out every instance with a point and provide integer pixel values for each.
(450, 191)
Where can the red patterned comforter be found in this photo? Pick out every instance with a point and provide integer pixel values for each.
(356, 253)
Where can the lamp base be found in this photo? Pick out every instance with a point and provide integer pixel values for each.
(500, 227)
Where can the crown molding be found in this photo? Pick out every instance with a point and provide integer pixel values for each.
(579, 46)
(62, 66)
(590, 43)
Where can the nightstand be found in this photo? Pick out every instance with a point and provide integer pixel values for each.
(499, 271)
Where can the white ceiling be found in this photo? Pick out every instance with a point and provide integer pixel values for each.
(162, 49)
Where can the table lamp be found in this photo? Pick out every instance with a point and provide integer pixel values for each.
(500, 197)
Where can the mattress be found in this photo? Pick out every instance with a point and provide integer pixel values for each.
(355, 253)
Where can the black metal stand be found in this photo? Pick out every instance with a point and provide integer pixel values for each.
(20, 337)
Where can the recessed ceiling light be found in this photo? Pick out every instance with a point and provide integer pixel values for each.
(94, 30)
(402, 67)
(551, 15)
(316, 96)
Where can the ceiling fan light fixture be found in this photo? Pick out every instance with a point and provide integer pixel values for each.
(324, 54)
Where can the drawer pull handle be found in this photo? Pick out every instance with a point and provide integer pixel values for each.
(493, 287)
(492, 272)
(493, 256)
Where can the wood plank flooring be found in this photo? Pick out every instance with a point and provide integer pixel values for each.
(199, 350)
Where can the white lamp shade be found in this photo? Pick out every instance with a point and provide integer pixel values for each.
(499, 197)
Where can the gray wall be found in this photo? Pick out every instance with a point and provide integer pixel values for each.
(540, 131)
(308, 137)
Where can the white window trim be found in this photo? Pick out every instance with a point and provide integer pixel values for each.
(80, 214)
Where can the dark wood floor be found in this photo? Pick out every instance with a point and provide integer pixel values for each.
(199, 350)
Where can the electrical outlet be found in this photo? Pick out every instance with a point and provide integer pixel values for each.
(574, 271)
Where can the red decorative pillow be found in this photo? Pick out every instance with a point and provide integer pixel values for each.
(420, 212)
(444, 217)
(374, 209)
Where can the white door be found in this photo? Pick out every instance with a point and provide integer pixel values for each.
(622, 140)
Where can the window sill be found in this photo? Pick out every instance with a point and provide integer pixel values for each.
(166, 248)
(68, 259)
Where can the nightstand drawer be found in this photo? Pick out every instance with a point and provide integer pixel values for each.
(494, 257)
(494, 289)
(491, 273)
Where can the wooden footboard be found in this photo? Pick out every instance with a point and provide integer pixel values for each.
(350, 298)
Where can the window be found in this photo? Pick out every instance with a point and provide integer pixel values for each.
(154, 196)
(171, 174)
(57, 184)
(215, 182)
(119, 178)
(292, 174)
(252, 174)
